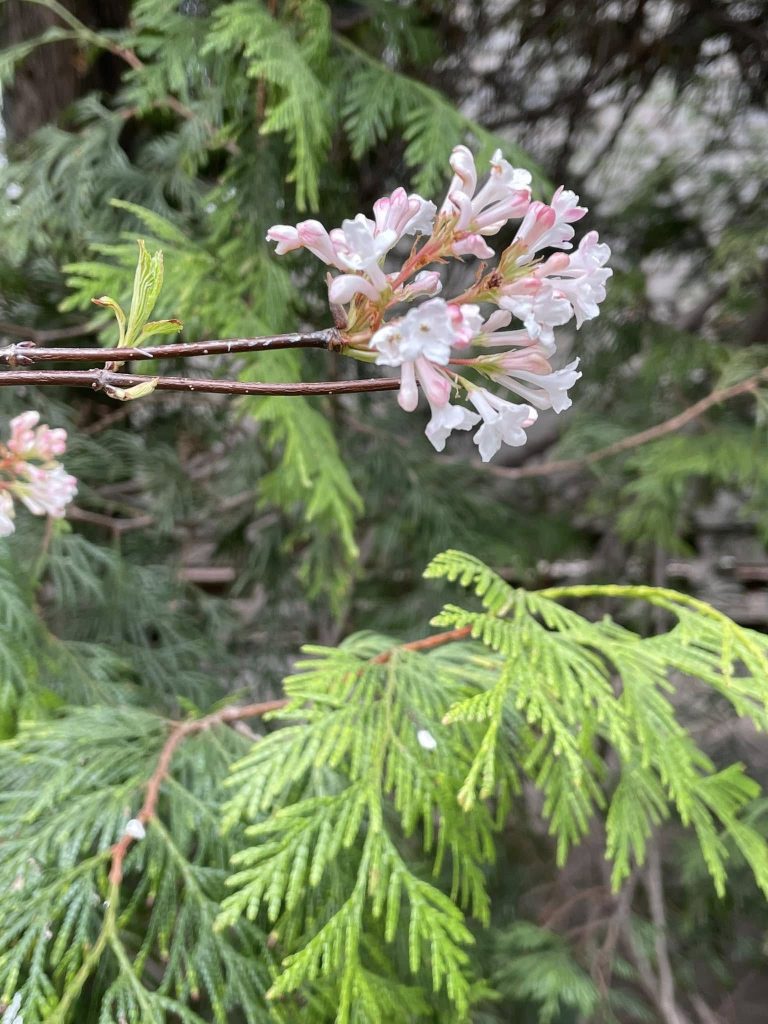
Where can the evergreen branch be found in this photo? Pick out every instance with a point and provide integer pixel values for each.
(132, 59)
(682, 419)
(178, 734)
(107, 380)
(234, 714)
(27, 353)
(426, 643)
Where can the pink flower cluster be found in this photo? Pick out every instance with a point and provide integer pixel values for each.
(428, 342)
(29, 471)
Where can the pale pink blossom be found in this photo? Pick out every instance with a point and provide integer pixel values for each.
(29, 471)
(505, 194)
(467, 323)
(361, 249)
(464, 178)
(45, 490)
(549, 226)
(426, 282)
(28, 440)
(583, 280)
(436, 386)
(408, 395)
(287, 238)
(503, 422)
(425, 331)
(472, 245)
(492, 334)
(343, 288)
(535, 295)
(308, 234)
(528, 373)
(404, 214)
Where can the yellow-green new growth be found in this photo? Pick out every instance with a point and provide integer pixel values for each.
(147, 284)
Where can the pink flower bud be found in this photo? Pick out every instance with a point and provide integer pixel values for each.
(408, 395)
(472, 245)
(313, 236)
(436, 385)
(554, 264)
(343, 289)
(287, 238)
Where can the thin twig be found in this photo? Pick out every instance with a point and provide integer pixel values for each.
(716, 397)
(180, 732)
(116, 525)
(234, 713)
(654, 886)
(426, 643)
(25, 354)
(103, 380)
(43, 336)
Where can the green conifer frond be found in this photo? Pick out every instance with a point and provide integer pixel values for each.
(158, 953)
(287, 55)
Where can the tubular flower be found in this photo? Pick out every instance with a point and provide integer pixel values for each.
(30, 472)
(532, 291)
(503, 422)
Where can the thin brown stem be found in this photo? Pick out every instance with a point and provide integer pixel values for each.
(103, 380)
(717, 397)
(26, 354)
(232, 714)
(179, 732)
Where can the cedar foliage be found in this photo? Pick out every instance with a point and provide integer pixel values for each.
(359, 850)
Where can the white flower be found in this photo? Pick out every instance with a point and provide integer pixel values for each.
(446, 418)
(583, 281)
(7, 525)
(425, 331)
(548, 390)
(503, 422)
(437, 387)
(360, 248)
(540, 311)
(426, 739)
(135, 829)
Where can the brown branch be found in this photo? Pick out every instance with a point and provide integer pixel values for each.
(100, 380)
(234, 713)
(112, 523)
(426, 643)
(25, 354)
(669, 426)
(179, 732)
(666, 1000)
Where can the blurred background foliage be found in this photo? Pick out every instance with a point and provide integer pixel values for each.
(212, 536)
